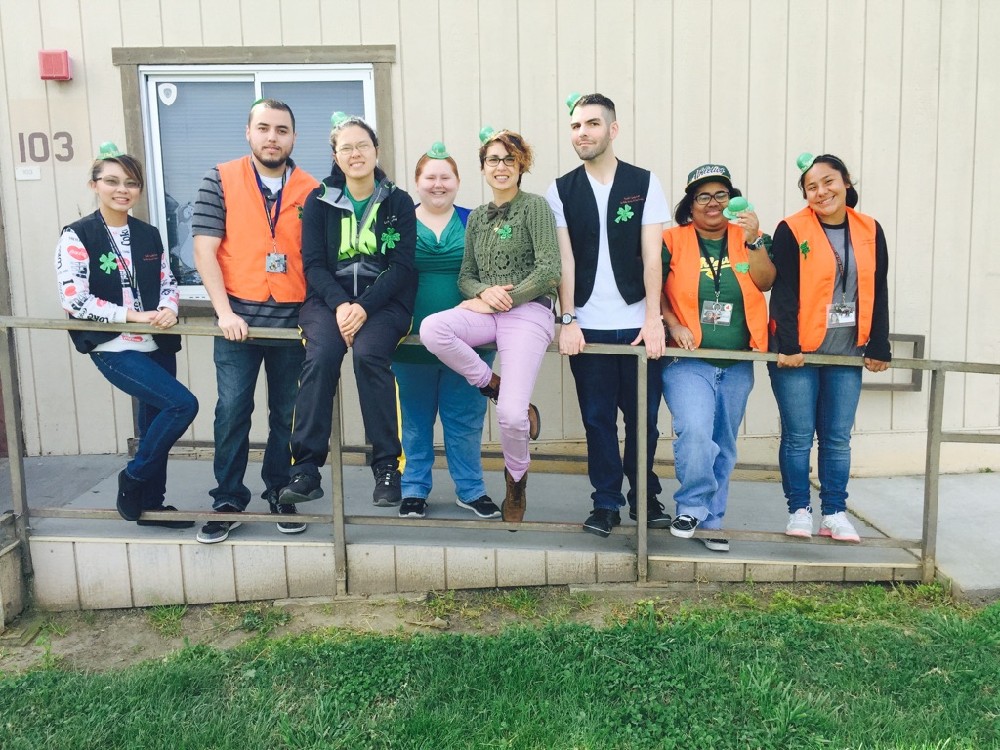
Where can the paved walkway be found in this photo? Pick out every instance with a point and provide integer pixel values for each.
(967, 551)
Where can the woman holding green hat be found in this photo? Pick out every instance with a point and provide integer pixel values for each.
(111, 268)
(831, 297)
(717, 270)
(510, 271)
(428, 388)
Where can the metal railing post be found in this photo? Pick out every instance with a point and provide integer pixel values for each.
(337, 497)
(15, 445)
(641, 459)
(935, 411)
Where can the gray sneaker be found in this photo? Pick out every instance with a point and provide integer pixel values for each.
(214, 532)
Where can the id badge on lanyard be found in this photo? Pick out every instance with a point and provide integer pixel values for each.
(842, 314)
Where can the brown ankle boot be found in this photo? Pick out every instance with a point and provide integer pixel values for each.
(492, 392)
(515, 502)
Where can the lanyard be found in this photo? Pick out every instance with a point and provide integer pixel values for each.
(843, 265)
(716, 270)
(129, 279)
(272, 221)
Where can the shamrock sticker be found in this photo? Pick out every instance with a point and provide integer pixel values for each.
(108, 263)
(742, 267)
(300, 212)
(389, 239)
(505, 232)
(624, 213)
(804, 248)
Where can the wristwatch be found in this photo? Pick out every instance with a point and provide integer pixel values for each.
(567, 318)
(757, 244)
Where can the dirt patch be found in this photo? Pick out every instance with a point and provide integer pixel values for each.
(97, 641)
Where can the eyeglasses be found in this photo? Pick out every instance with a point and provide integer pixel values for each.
(703, 199)
(361, 148)
(114, 183)
(492, 160)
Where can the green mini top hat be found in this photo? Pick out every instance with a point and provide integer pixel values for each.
(572, 100)
(487, 132)
(736, 205)
(338, 118)
(706, 173)
(438, 151)
(109, 150)
(805, 161)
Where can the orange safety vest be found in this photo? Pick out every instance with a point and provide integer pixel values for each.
(818, 274)
(243, 252)
(682, 282)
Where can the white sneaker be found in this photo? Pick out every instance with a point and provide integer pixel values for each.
(800, 523)
(838, 526)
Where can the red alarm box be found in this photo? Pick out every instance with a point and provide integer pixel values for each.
(54, 65)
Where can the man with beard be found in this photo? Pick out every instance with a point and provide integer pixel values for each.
(247, 231)
(609, 219)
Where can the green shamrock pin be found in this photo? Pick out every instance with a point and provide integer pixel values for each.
(742, 267)
(505, 232)
(108, 263)
(624, 213)
(389, 239)
(804, 248)
(300, 208)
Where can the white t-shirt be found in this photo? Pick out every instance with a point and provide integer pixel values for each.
(606, 309)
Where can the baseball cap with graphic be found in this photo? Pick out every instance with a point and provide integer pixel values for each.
(708, 173)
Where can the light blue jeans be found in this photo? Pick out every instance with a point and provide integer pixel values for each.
(429, 390)
(707, 404)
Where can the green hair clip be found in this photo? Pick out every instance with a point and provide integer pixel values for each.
(438, 151)
(338, 118)
(805, 161)
(572, 100)
(487, 132)
(109, 150)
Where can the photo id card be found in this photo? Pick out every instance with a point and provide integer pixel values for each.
(276, 263)
(716, 313)
(841, 315)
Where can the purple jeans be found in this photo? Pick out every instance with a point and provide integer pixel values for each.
(522, 335)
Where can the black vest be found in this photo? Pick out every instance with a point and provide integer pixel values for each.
(626, 203)
(147, 249)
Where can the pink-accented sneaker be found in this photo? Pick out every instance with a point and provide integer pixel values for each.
(800, 524)
(838, 526)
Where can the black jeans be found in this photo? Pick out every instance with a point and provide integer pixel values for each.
(325, 350)
(605, 385)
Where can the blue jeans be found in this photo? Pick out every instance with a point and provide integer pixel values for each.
(819, 401)
(166, 410)
(605, 385)
(425, 391)
(707, 404)
(237, 366)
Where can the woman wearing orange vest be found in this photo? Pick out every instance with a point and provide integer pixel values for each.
(830, 297)
(717, 270)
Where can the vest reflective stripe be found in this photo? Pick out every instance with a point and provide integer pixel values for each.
(818, 274)
(367, 241)
(684, 278)
(243, 252)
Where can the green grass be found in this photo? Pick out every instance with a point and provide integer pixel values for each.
(867, 668)
(166, 619)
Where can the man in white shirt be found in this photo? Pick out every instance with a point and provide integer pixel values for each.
(609, 219)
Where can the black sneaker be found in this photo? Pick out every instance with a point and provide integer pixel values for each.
(164, 524)
(656, 518)
(214, 532)
(483, 507)
(717, 545)
(413, 507)
(601, 521)
(129, 500)
(684, 526)
(302, 488)
(386, 493)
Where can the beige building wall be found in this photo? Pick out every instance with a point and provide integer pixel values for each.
(907, 92)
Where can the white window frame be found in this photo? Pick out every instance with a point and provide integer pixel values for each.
(152, 75)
